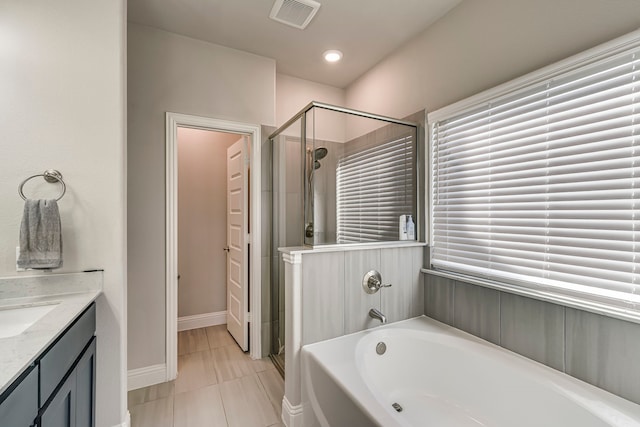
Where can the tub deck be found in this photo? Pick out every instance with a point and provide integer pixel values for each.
(437, 375)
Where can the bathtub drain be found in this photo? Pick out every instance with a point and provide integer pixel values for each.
(397, 407)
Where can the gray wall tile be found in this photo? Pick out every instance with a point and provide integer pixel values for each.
(533, 328)
(477, 311)
(604, 352)
(265, 224)
(322, 296)
(266, 158)
(417, 282)
(438, 298)
(397, 269)
(357, 302)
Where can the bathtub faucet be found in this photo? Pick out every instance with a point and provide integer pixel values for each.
(375, 314)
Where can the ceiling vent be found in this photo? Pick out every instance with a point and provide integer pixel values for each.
(297, 13)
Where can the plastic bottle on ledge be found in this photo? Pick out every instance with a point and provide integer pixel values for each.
(402, 231)
(411, 228)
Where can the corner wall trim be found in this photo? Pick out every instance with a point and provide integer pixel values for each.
(144, 377)
(291, 415)
(126, 423)
(204, 320)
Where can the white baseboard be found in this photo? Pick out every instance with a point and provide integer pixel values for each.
(202, 320)
(144, 377)
(291, 415)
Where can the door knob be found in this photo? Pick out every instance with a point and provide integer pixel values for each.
(226, 249)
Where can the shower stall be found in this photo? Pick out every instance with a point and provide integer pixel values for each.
(340, 176)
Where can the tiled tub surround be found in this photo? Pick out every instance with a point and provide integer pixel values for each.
(324, 299)
(442, 376)
(71, 293)
(600, 350)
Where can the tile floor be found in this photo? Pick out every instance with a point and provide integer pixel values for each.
(217, 385)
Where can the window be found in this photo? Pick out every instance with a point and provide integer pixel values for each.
(375, 185)
(537, 184)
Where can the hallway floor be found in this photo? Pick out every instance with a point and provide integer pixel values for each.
(217, 385)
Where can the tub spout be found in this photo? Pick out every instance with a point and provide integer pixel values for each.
(375, 314)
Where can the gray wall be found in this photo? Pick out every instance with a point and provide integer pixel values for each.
(480, 44)
(202, 220)
(599, 350)
(62, 80)
(168, 72)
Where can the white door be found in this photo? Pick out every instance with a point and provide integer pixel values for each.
(237, 243)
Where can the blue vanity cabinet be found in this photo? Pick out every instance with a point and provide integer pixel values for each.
(67, 376)
(58, 390)
(19, 404)
(73, 404)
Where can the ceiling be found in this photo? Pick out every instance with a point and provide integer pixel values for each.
(366, 31)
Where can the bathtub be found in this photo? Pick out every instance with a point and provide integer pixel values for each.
(431, 374)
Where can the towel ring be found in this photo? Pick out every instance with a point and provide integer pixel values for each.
(51, 176)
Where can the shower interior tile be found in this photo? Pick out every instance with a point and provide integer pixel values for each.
(357, 301)
(293, 228)
(265, 209)
(265, 291)
(294, 162)
(533, 328)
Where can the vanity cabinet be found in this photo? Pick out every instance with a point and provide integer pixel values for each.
(67, 376)
(58, 390)
(73, 403)
(19, 404)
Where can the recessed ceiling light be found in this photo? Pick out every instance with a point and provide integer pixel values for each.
(332, 55)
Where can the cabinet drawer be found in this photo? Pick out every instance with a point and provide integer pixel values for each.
(58, 359)
(20, 406)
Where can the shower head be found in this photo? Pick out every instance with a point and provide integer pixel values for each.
(320, 153)
(316, 165)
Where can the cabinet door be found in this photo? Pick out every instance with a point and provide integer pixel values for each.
(85, 387)
(20, 407)
(61, 411)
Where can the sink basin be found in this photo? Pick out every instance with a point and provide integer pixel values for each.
(14, 320)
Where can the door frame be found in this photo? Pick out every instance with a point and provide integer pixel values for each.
(173, 121)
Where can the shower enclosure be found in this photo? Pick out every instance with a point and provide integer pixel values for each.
(340, 176)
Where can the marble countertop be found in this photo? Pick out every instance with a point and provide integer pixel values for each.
(71, 293)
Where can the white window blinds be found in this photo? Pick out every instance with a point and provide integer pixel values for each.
(541, 186)
(375, 185)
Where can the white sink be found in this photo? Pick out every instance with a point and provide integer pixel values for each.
(14, 320)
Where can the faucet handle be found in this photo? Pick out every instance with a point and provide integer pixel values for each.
(372, 282)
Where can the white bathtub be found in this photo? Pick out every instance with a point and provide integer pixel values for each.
(441, 376)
